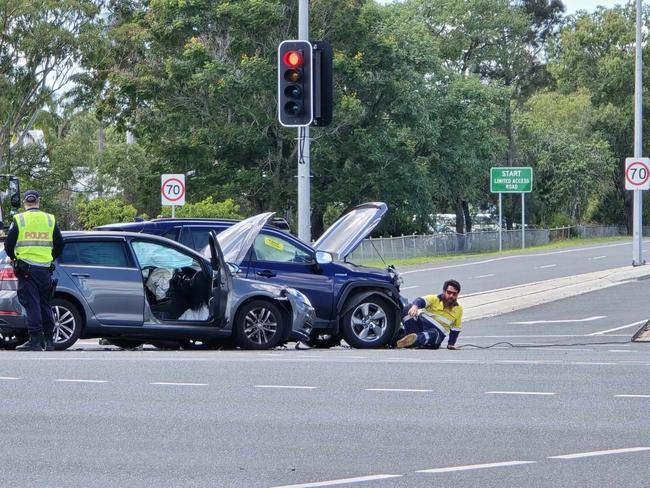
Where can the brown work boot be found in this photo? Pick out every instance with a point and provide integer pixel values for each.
(407, 341)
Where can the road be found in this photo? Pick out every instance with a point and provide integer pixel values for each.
(487, 273)
(556, 396)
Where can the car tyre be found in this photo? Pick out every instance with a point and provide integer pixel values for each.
(67, 323)
(259, 325)
(369, 324)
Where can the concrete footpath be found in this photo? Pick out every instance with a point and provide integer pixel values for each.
(503, 300)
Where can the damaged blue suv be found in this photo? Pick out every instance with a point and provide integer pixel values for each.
(359, 304)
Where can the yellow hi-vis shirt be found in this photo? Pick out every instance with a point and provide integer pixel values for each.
(35, 237)
(445, 319)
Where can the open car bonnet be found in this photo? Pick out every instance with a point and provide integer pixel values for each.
(344, 235)
(235, 241)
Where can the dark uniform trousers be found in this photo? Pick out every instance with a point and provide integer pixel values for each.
(34, 292)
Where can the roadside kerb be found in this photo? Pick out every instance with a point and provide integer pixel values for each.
(503, 300)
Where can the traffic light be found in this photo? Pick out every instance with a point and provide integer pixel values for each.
(323, 83)
(295, 84)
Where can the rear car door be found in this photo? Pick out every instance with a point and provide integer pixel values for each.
(107, 277)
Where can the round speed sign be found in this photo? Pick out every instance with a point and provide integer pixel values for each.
(637, 173)
(172, 189)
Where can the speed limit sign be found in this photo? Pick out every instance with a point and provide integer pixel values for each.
(637, 173)
(172, 189)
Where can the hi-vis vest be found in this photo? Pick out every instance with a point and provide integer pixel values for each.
(35, 236)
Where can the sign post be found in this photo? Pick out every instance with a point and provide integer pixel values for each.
(512, 180)
(172, 191)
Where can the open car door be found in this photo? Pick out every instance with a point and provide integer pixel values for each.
(221, 281)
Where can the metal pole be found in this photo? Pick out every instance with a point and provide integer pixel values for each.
(173, 211)
(304, 159)
(500, 223)
(637, 247)
(523, 221)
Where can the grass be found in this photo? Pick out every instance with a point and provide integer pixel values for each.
(441, 259)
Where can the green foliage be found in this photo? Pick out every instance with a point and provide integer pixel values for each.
(206, 208)
(100, 211)
(558, 219)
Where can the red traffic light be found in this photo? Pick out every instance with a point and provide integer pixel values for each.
(293, 59)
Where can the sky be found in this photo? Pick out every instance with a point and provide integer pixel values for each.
(574, 5)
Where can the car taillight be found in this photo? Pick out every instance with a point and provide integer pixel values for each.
(8, 279)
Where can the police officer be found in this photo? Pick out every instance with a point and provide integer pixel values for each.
(33, 242)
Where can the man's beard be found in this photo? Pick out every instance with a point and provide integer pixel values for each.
(449, 302)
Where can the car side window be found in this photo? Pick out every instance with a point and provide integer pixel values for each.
(161, 256)
(275, 248)
(172, 234)
(97, 253)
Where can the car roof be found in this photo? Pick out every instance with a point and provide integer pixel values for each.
(277, 223)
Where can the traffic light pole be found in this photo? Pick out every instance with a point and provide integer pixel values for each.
(304, 158)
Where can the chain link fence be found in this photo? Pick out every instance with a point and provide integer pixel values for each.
(449, 243)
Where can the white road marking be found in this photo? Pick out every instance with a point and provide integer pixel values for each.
(409, 287)
(566, 321)
(597, 257)
(620, 350)
(397, 389)
(600, 453)
(64, 380)
(601, 332)
(586, 363)
(519, 361)
(287, 386)
(546, 266)
(342, 481)
(8, 378)
(632, 396)
(483, 276)
(475, 466)
(516, 256)
(177, 384)
(547, 393)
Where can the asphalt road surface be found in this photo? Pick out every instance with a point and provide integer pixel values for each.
(498, 417)
(493, 272)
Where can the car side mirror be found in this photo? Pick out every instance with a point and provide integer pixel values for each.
(323, 257)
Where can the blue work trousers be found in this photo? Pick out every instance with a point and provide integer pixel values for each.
(34, 290)
(429, 336)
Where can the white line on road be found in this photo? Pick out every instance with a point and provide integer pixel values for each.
(64, 380)
(618, 328)
(632, 396)
(177, 384)
(546, 266)
(397, 389)
(587, 363)
(287, 386)
(600, 453)
(8, 378)
(409, 287)
(483, 276)
(517, 256)
(597, 257)
(547, 393)
(342, 481)
(475, 466)
(566, 321)
(621, 350)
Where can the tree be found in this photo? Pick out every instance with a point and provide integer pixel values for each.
(206, 208)
(100, 211)
(39, 45)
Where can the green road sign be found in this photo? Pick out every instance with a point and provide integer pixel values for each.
(511, 180)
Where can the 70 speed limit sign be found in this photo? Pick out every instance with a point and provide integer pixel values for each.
(637, 173)
(172, 189)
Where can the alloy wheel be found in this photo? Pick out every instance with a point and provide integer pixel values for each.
(260, 325)
(64, 323)
(369, 321)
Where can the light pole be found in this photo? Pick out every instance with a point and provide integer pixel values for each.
(637, 224)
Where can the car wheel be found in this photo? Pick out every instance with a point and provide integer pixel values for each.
(259, 325)
(323, 341)
(369, 324)
(67, 323)
(11, 340)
